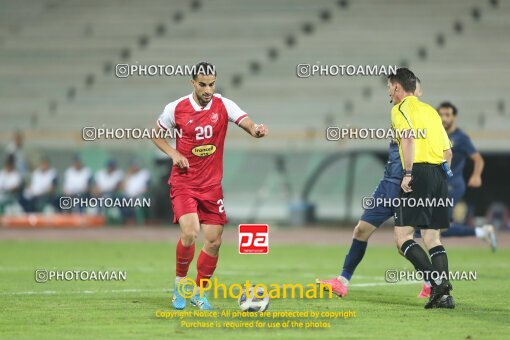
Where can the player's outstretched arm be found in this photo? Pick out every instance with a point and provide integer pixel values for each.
(178, 159)
(256, 130)
(475, 181)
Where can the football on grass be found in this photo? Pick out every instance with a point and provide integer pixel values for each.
(254, 300)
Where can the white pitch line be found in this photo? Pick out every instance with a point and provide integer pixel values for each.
(219, 273)
(297, 274)
(55, 292)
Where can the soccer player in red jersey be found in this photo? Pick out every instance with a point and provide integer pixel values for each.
(195, 182)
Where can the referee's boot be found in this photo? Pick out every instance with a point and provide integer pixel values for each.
(446, 301)
(437, 292)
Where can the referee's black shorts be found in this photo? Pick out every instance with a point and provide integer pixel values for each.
(418, 208)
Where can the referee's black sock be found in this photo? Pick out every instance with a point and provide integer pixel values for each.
(439, 260)
(418, 257)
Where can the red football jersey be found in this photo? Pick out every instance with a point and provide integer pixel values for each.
(203, 137)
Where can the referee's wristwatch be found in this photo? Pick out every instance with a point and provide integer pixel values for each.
(408, 173)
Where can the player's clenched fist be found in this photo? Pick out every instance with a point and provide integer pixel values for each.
(179, 160)
(260, 130)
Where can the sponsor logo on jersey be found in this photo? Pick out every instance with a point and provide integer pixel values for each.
(214, 117)
(204, 150)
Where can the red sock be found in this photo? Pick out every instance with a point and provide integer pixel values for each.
(183, 258)
(206, 264)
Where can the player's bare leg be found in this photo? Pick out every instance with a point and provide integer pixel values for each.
(190, 227)
(360, 237)
(363, 231)
(212, 238)
(206, 263)
(185, 251)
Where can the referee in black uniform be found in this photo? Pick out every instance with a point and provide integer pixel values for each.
(423, 203)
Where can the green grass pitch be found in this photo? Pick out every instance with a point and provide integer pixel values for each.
(124, 309)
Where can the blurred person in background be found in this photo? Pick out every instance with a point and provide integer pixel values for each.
(498, 215)
(77, 181)
(11, 184)
(107, 185)
(40, 194)
(463, 149)
(15, 149)
(108, 180)
(135, 185)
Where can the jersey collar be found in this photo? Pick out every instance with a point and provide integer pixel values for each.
(408, 97)
(197, 106)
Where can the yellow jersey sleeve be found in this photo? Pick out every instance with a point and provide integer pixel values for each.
(447, 144)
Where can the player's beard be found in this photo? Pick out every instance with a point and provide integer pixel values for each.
(204, 102)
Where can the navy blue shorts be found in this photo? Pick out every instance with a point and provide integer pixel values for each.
(379, 214)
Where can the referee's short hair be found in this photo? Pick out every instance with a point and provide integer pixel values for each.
(405, 77)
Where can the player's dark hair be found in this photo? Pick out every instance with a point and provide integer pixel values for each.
(418, 80)
(204, 68)
(405, 78)
(448, 105)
